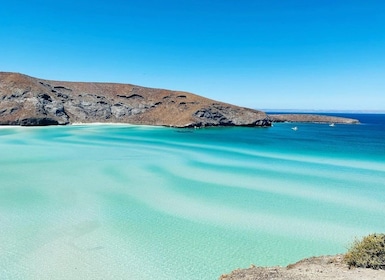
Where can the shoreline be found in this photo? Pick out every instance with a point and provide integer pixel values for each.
(314, 268)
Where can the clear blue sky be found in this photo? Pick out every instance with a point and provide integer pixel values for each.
(265, 54)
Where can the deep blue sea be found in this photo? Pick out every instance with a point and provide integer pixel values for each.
(142, 202)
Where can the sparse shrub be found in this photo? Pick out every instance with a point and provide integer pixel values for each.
(368, 252)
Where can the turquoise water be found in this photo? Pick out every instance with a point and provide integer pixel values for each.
(137, 202)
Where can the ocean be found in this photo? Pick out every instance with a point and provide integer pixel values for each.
(142, 202)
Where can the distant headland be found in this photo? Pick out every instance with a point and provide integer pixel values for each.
(29, 101)
(314, 118)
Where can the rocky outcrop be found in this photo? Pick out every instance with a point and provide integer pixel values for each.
(225, 115)
(311, 118)
(315, 268)
(27, 101)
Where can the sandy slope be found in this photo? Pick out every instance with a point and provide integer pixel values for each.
(324, 267)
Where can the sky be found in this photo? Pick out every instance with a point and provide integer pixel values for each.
(262, 54)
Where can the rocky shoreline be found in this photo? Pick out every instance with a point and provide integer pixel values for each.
(315, 268)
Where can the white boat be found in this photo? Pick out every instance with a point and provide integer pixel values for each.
(294, 128)
(332, 124)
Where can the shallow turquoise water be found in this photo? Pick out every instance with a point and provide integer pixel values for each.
(131, 202)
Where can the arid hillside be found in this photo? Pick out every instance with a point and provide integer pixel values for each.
(26, 100)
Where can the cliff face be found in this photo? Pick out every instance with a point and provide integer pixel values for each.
(30, 101)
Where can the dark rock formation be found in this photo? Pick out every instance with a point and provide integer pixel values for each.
(30, 101)
(311, 118)
(37, 122)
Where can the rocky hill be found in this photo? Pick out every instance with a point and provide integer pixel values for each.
(29, 101)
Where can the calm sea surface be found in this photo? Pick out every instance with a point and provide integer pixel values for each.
(137, 202)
